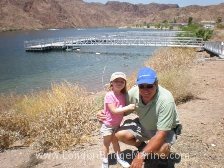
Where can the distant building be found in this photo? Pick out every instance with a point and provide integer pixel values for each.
(179, 24)
(208, 24)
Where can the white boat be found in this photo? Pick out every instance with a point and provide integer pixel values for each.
(68, 49)
(53, 29)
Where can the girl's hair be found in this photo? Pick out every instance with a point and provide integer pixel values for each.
(124, 90)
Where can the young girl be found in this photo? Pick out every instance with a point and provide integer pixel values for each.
(114, 108)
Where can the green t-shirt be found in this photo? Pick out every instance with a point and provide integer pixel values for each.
(159, 114)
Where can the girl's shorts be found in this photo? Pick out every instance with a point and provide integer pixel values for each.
(106, 130)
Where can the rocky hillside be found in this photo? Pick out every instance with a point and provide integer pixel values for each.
(39, 14)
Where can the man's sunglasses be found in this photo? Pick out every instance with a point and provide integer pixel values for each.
(145, 86)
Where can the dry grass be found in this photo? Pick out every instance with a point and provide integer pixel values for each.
(54, 119)
(7, 101)
(218, 35)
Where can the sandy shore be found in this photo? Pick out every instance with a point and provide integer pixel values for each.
(199, 146)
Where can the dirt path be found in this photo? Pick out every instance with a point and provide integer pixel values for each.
(199, 146)
(201, 143)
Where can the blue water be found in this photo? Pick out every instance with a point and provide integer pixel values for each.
(22, 71)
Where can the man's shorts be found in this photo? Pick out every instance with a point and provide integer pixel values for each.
(107, 130)
(136, 129)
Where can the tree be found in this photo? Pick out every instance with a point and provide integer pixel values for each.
(190, 19)
(158, 25)
(165, 23)
(171, 27)
(174, 20)
(148, 25)
(219, 20)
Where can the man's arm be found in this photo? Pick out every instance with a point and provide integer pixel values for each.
(156, 142)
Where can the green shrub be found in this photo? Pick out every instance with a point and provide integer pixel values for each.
(196, 30)
(205, 34)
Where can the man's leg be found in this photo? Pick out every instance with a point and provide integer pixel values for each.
(127, 137)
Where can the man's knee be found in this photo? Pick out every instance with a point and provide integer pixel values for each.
(124, 135)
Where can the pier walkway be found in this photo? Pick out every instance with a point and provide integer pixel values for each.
(215, 48)
(131, 38)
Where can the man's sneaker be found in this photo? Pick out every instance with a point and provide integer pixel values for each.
(141, 146)
(105, 165)
(123, 163)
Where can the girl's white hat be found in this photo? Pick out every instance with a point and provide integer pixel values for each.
(116, 75)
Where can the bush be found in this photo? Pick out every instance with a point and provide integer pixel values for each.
(220, 26)
(196, 30)
(205, 34)
(53, 119)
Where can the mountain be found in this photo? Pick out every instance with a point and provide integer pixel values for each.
(41, 14)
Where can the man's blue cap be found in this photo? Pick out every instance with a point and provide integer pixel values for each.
(146, 75)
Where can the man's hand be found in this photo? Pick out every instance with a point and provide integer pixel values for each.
(100, 116)
(137, 162)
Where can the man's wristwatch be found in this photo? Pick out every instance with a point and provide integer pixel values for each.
(143, 154)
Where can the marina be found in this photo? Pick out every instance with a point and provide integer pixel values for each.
(90, 66)
(86, 57)
(158, 39)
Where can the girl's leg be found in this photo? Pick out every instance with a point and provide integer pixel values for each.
(117, 150)
(116, 145)
(106, 144)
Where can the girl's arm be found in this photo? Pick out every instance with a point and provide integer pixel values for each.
(120, 110)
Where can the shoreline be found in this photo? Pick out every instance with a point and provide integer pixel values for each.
(59, 28)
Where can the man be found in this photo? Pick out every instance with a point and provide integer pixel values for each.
(156, 109)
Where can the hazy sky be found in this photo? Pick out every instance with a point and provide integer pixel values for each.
(181, 3)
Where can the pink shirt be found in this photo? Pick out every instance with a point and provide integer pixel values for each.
(118, 101)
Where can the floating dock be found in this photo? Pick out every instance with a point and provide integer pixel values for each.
(120, 39)
(77, 43)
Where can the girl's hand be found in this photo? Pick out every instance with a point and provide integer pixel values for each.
(100, 116)
(131, 107)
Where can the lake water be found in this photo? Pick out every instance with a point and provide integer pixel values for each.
(22, 71)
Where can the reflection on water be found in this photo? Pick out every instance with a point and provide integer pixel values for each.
(90, 67)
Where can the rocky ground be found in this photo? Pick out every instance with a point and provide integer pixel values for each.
(199, 146)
